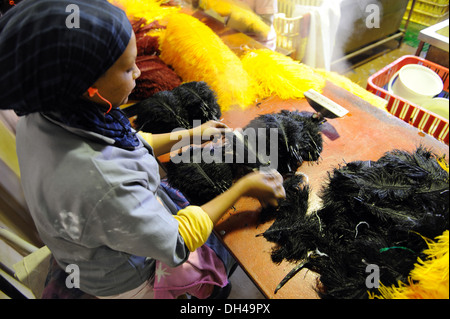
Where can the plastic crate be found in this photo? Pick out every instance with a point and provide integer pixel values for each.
(427, 19)
(427, 12)
(426, 121)
(430, 7)
(288, 6)
(292, 32)
(289, 36)
(439, 1)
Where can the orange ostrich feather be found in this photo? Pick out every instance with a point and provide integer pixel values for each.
(196, 53)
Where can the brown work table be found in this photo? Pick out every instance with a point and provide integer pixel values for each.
(366, 133)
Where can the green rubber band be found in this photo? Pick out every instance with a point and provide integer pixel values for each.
(382, 250)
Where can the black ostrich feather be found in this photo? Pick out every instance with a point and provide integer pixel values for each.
(200, 182)
(199, 101)
(306, 133)
(168, 110)
(299, 138)
(160, 113)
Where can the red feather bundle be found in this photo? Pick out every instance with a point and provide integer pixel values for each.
(155, 76)
(146, 44)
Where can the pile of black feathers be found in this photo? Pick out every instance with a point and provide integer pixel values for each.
(373, 213)
(298, 139)
(202, 181)
(199, 181)
(168, 110)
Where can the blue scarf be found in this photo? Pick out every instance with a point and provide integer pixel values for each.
(52, 51)
(92, 117)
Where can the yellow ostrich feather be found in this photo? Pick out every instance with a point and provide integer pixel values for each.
(352, 87)
(151, 10)
(277, 74)
(223, 7)
(197, 54)
(443, 163)
(244, 18)
(429, 279)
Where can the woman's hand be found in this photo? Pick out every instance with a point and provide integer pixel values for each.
(265, 185)
(169, 142)
(208, 131)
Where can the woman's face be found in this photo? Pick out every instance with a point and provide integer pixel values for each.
(119, 80)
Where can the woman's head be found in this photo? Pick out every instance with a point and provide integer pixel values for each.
(116, 84)
(52, 51)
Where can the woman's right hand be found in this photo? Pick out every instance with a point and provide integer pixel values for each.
(265, 185)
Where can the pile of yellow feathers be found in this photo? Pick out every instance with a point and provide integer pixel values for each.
(196, 53)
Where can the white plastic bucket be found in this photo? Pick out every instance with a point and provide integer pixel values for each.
(416, 83)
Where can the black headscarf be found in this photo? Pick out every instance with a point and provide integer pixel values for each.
(49, 58)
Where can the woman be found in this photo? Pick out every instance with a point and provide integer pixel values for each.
(90, 181)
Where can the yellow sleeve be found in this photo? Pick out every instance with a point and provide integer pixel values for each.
(194, 225)
(148, 137)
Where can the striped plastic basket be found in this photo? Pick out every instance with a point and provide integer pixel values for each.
(288, 6)
(426, 121)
